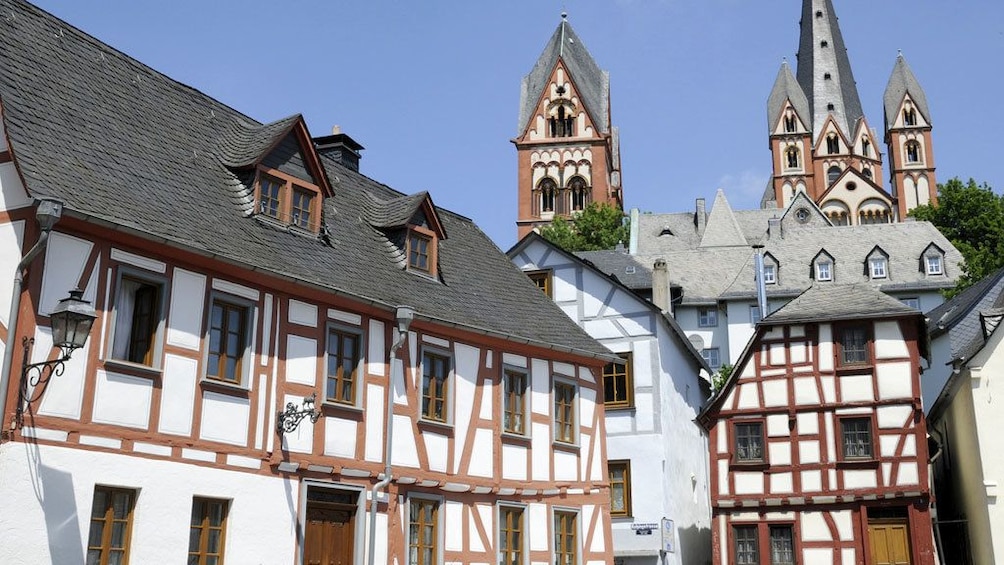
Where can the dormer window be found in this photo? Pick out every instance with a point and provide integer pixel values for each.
(769, 274)
(822, 266)
(420, 251)
(909, 116)
(934, 266)
(288, 200)
(877, 267)
(932, 261)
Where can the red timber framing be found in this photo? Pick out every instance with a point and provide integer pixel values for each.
(844, 444)
(267, 385)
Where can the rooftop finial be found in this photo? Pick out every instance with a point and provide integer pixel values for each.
(564, 15)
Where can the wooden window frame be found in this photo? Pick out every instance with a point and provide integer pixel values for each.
(734, 546)
(421, 234)
(243, 365)
(625, 466)
(872, 439)
(335, 337)
(762, 536)
(443, 395)
(839, 342)
(614, 370)
(794, 542)
(566, 525)
(284, 211)
(543, 278)
(204, 527)
(707, 317)
(736, 460)
(434, 522)
(107, 519)
(561, 408)
(510, 552)
(509, 397)
(153, 357)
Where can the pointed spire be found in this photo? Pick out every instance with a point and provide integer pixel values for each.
(903, 82)
(824, 71)
(786, 88)
(592, 83)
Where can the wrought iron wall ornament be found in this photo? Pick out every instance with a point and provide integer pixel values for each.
(290, 419)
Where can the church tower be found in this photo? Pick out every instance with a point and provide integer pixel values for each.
(567, 150)
(820, 140)
(908, 137)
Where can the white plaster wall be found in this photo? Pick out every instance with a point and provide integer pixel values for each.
(12, 193)
(122, 400)
(185, 319)
(301, 360)
(65, 258)
(48, 495)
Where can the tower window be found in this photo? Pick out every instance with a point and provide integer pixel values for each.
(545, 196)
(580, 196)
(819, 13)
(830, 107)
(832, 174)
(789, 124)
(824, 43)
(866, 172)
(791, 157)
(562, 125)
(909, 117)
(832, 144)
(866, 147)
(827, 76)
(912, 152)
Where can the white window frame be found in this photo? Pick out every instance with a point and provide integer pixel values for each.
(936, 261)
(769, 274)
(163, 286)
(250, 326)
(707, 317)
(717, 353)
(878, 267)
(824, 270)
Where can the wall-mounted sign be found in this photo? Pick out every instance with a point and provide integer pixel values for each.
(644, 528)
(668, 536)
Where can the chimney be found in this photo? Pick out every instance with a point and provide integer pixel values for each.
(660, 285)
(774, 228)
(340, 147)
(700, 216)
(761, 286)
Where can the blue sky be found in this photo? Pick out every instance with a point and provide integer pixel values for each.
(431, 87)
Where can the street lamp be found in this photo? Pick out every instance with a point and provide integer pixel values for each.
(71, 323)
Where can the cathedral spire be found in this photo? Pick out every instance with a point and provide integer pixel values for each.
(903, 84)
(824, 70)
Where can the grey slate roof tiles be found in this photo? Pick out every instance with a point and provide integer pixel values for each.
(960, 316)
(901, 82)
(122, 144)
(823, 302)
(786, 87)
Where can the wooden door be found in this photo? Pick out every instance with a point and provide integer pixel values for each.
(329, 535)
(890, 542)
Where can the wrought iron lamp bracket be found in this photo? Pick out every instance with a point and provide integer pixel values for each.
(33, 374)
(290, 418)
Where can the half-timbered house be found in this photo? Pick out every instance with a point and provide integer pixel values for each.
(235, 268)
(818, 440)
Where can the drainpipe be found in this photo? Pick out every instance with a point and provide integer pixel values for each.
(47, 214)
(404, 316)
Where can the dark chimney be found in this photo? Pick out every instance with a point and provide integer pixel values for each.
(340, 147)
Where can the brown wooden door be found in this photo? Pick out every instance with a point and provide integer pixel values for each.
(329, 535)
(890, 543)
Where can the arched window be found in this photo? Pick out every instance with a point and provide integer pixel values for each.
(832, 174)
(789, 124)
(909, 116)
(562, 124)
(791, 157)
(580, 195)
(912, 151)
(838, 218)
(832, 144)
(545, 196)
(874, 217)
(866, 147)
(866, 172)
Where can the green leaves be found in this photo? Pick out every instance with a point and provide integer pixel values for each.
(971, 216)
(598, 226)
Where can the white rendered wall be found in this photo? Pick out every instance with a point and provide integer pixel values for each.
(48, 495)
(988, 368)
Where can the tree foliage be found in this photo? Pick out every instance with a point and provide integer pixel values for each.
(598, 226)
(719, 378)
(971, 216)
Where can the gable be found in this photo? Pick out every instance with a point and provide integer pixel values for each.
(287, 156)
(855, 194)
(789, 109)
(803, 212)
(559, 95)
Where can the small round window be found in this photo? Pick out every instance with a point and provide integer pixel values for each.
(852, 185)
(802, 215)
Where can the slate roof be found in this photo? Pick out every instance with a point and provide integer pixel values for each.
(128, 147)
(960, 316)
(245, 142)
(592, 84)
(830, 302)
(786, 87)
(620, 265)
(901, 82)
(395, 212)
(815, 61)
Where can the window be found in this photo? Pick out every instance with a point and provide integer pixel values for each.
(911, 302)
(542, 279)
(707, 317)
(343, 365)
(618, 388)
(877, 266)
(562, 124)
(111, 525)
(791, 158)
(933, 263)
(853, 345)
(208, 531)
(832, 145)
(137, 321)
(769, 274)
(749, 442)
(580, 196)
(789, 124)
(713, 357)
(564, 412)
(866, 147)
(419, 250)
(435, 383)
(824, 43)
(830, 107)
(747, 547)
(827, 76)
(755, 314)
(782, 545)
(288, 199)
(423, 532)
(510, 535)
(909, 116)
(227, 341)
(546, 190)
(565, 538)
(620, 488)
(912, 151)
(856, 438)
(514, 401)
(867, 172)
(824, 271)
(832, 174)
